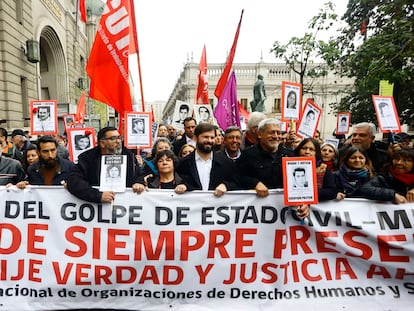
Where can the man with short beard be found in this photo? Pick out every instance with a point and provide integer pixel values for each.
(51, 169)
(85, 176)
(205, 169)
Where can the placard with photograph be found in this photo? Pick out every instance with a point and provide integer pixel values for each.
(291, 100)
(299, 180)
(80, 140)
(309, 120)
(138, 129)
(387, 114)
(113, 173)
(68, 120)
(203, 114)
(343, 121)
(43, 117)
(332, 141)
(182, 111)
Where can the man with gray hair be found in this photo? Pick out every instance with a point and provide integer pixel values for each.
(250, 135)
(363, 136)
(260, 167)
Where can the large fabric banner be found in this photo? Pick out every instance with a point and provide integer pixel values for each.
(162, 251)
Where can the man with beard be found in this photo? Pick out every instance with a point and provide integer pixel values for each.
(205, 169)
(85, 176)
(51, 169)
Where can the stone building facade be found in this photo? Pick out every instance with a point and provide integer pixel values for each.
(53, 32)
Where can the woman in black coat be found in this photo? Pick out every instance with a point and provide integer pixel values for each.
(397, 183)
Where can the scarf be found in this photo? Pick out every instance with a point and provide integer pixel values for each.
(351, 180)
(407, 178)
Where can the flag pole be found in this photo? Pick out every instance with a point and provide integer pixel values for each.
(134, 32)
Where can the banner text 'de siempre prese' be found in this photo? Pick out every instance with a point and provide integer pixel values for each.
(162, 251)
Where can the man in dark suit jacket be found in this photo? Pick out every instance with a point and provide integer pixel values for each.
(205, 169)
(188, 136)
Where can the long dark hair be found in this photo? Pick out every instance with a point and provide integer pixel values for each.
(348, 152)
(403, 154)
(315, 144)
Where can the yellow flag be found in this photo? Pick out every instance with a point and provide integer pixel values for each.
(386, 88)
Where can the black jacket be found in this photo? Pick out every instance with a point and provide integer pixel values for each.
(222, 171)
(255, 164)
(35, 175)
(384, 187)
(86, 174)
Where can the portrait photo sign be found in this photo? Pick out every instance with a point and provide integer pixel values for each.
(291, 100)
(299, 180)
(309, 120)
(138, 129)
(182, 110)
(68, 120)
(203, 114)
(113, 173)
(387, 114)
(43, 117)
(80, 140)
(343, 121)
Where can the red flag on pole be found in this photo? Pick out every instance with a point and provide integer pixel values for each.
(82, 9)
(81, 110)
(107, 65)
(229, 62)
(227, 110)
(202, 89)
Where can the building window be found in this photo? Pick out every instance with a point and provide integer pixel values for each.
(25, 101)
(244, 103)
(276, 105)
(19, 11)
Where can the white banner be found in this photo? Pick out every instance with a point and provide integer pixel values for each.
(162, 251)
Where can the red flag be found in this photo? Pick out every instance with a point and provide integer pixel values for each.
(152, 114)
(363, 28)
(81, 109)
(243, 112)
(107, 65)
(82, 9)
(227, 110)
(202, 90)
(229, 62)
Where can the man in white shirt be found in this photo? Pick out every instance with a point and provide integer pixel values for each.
(205, 169)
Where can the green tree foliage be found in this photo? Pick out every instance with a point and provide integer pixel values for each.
(300, 53)
(376, 44)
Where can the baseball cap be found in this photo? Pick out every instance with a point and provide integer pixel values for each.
(402, 136)
(17, 132)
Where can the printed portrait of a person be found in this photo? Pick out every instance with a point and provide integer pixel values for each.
(138, 126)
(299, 178)
(82, 142)
(43, 113)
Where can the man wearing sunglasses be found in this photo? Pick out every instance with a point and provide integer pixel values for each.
(86, 173)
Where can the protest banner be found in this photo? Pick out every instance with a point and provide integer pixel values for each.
(163, 251)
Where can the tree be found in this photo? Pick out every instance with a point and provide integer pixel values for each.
(377, 44)
(300, 54)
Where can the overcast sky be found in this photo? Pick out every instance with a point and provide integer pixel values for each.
(171, 31)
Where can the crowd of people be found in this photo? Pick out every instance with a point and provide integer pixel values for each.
(203, 157)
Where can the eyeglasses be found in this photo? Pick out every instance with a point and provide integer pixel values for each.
(113, 138)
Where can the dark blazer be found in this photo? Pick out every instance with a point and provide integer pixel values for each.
(179, 143)
(35, 176)
(384, 187)
(86, 174)
(222, 171)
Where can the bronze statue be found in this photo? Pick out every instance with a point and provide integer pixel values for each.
(259, 95)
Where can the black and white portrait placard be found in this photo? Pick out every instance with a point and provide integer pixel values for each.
(299, 180)
(138, 129)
